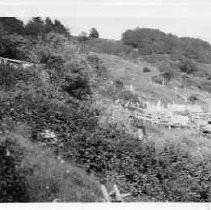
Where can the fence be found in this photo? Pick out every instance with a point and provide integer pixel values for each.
(15, 63)
(169, 117)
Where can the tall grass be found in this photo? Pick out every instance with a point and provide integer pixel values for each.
(30, 173)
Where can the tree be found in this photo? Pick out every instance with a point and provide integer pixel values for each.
(48, 25)
(12, 25)
(93, 33)
(35, 27)
(59, 28)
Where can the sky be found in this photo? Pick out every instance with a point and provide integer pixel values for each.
(113, 17)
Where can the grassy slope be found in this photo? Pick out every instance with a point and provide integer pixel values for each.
(52, 179)
(131, 73)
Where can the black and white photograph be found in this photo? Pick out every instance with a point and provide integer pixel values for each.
(105, 101)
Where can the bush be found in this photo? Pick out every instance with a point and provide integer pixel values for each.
(158, 79)
(167, 71)
(118, 84)
(149, 41)
(146, 69)
(10, 75)
(187, 66)
(52, 61)
(170, 175)
(13, 183)
(7, 76)
(76, 81)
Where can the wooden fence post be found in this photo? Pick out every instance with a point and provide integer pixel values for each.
(105, 193)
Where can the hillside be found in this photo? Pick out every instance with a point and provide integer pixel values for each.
(91, 113)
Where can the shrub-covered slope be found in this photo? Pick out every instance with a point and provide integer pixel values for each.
(62, 132)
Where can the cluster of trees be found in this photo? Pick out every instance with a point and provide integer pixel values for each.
(93, 34)
(149, 41)
(18, 40)
(35, 27)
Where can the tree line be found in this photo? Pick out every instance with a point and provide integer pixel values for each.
(35, 27)
(148, 41)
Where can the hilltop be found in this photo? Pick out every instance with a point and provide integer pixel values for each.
(90, 114)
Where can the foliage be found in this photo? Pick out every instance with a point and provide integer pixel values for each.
(76, 81)
(93, 33)
(30, 173)
(13, 46)
(146, 69)
(13, 183)
(12, 25)
(187, 66)
(111, 47)
(149, 41)
(119, 84)
(9, 76)
(37, 27)
(52, 61)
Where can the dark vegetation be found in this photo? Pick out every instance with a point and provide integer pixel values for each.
(187, 66)
(146, 69)
(149, 41)
(93, 33)
(17, 39)
(58, 96)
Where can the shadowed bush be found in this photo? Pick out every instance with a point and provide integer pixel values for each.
(187, 66)
(146, 69)
(11, 75)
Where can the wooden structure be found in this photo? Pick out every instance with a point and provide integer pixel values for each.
(170, 118)
(114, 195)
(16, 63)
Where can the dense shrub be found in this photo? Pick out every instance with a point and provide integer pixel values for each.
(10, 75)
(118, 84)
(149, 41)
(146, 69)
(187, 66)
(52, 61)
(112, 47)
(168, 75)
(170, 175)
(76, 81)
(13, 183)
(7, 76)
